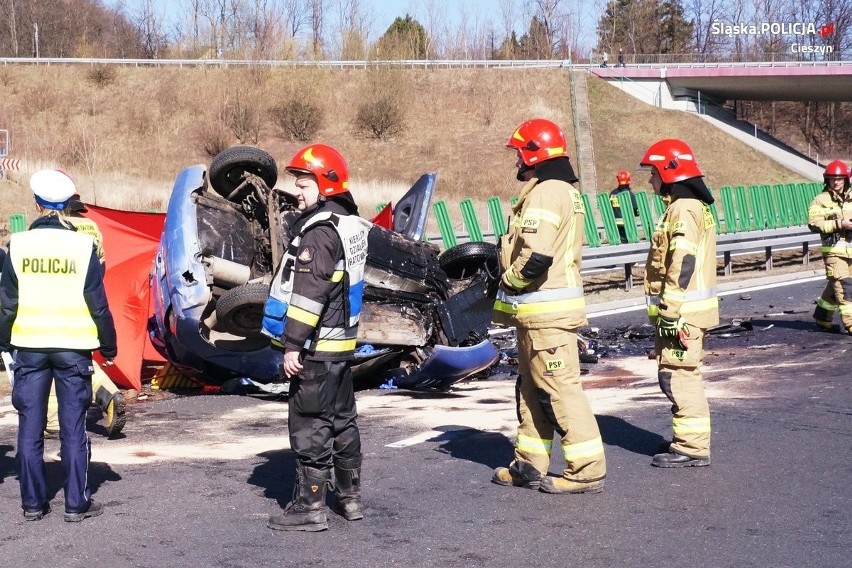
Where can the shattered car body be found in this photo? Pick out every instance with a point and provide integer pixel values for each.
(424, 318)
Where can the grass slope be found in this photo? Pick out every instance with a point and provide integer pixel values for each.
(623, 127)
(124, 133)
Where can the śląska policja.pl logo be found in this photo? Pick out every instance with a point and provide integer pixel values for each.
(766, 28)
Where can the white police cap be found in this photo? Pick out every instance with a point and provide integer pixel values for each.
(52, 188)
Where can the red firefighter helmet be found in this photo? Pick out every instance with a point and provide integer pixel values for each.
(673, 159)
(537, 140)
(837, 168)
(326, 164)
(623, 177)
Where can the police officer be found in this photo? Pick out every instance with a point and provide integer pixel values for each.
(830, 215)
(541, 294)
(623, 201)
(104, 392)
(312, 313)
(680, 289)
(54, 314)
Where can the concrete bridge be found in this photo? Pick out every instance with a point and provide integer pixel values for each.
(778, 81)
(703, 88)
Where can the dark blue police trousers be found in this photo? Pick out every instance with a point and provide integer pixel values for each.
(34, 371)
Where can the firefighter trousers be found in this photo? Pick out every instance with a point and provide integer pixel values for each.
(826, 306)
(550, 398)
(679, 375)
(34, 373)
(322, 416)
(99, 380)
(838, 270)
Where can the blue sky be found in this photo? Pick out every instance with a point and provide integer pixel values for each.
(385, 11)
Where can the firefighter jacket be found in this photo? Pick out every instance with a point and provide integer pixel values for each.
(824, 217)
(89, 227)
(623, 203)
(315, 298)
(52, 292)
(680, 274)
(540, 259)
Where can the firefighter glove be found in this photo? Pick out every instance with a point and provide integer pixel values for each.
(673, 328)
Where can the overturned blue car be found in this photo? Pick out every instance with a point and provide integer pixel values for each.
(425, 315)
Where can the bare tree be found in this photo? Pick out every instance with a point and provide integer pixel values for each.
(435, 18)
(263, 21)
(354, 20)
(11, 16)
(149, 22)
(703, 13)
(508, 16)
(317, 15)
(838, 13)
(296, 16)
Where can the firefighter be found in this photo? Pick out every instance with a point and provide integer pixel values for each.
(312, 313)
(105, 393)
(54, 315)
(680, 289)
(830, 215)
(541, 294)
(622, 197)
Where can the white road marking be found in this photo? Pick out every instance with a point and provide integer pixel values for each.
(413, 440)
(423, 437)
(640, 305)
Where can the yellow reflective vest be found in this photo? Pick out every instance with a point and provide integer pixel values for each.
(680, 274)
(824, 216)
(548, 220)
(51, 266)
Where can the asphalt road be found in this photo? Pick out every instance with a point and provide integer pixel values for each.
(193, 480)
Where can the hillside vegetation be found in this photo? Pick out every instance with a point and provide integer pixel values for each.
(623, 127)
(124, 132)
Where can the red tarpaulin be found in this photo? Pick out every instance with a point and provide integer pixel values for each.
(384, 217)
(130, 245)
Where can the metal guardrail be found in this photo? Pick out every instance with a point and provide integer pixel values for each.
(727, 245)
(410, 63)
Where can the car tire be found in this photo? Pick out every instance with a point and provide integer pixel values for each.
(226, 170)
(469, 259)
(240, 310)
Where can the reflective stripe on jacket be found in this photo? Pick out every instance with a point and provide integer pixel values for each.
(89, 227)
(680, 274)
(51, 266)
(548, 222)
(329, 342)
(825, 214)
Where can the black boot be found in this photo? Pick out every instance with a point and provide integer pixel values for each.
(519, 473)
(348, 487)
(673, 459)
(307, 511)
(114, 409)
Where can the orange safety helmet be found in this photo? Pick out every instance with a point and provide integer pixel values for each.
(623, 177)
(326, 164)
(537, 140)
(673, 159)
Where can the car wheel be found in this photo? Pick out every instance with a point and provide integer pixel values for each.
(468, 259)
(240, 310)
(227, 168)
